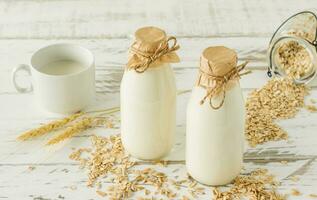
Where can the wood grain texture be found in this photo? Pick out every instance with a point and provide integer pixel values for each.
(109, 19)
(111, 56)
(43, 181)
(105, 27)
(299, 145)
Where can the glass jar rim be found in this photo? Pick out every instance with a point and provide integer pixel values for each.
(291, 17)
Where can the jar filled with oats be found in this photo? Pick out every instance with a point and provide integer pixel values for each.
(148, 95)
(292, 50)
(215, 119)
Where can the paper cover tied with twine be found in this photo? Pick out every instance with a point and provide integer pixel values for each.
(218, 72)
(151, 48)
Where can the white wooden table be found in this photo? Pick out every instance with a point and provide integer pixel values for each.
(104, 27)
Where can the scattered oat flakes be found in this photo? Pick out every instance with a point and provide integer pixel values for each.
(73, 187)
(313, 195)
(101, 193)
(311, 108)
(295, 192)
(107, 160)
(185, 198)
(284, 162)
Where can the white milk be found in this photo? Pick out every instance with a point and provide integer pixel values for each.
(214, 143)
(62, 67)
(148, 107)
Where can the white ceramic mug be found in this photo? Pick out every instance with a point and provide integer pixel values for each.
(62, 93)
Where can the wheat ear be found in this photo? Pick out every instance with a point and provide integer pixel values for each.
(48, 127)
(71, 131)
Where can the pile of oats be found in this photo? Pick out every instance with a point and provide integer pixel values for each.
(294, 60)
(107, 162)
(257, 185)
(279, 98)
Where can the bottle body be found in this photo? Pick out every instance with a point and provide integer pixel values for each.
(215, 138)
(148, 112)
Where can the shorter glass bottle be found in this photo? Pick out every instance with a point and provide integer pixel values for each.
(215, 119)
(148, 95)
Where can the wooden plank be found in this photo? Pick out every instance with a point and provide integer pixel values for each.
(113, 52)
(13, 118)
(93, 24)
(111, 55)
(299, 146)
(104, 19)
(13, 104)
(50, 181)
(108, 82)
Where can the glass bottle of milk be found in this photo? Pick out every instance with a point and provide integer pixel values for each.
(215, 119)
(148, 95)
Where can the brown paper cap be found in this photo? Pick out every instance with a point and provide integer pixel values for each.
(218, 73)
(149, 38)
(221, 60)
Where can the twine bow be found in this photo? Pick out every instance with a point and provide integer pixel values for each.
(221, 84)
(150, 57)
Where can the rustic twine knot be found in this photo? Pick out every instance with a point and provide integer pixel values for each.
(150, 57)
(221, 84)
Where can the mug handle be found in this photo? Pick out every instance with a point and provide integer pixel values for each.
(20, 89)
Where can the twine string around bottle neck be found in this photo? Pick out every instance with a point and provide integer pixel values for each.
(150, 57)
(221, 83)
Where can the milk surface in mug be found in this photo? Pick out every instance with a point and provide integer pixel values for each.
(62, 67)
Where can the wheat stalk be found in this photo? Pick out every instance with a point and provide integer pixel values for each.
(71, 131)
(48, 127)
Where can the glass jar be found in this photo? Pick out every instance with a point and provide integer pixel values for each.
(148, 95)
(293, 48)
